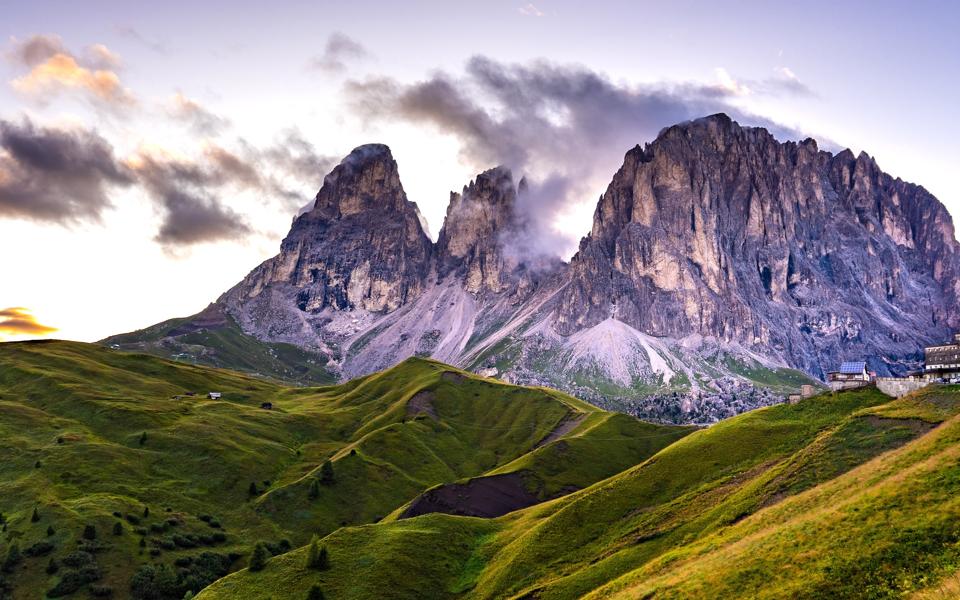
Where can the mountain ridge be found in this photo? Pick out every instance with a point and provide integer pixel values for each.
(707, 241)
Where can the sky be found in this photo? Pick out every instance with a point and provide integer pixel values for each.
(152, 154)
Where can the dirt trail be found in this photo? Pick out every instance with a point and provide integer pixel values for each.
(567, 425)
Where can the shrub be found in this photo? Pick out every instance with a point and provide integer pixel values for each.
(53, 566)
(13, 558)
(219, 537)
(258, 558)
(143, 438)
(313, 553)
(42, 548)
(315, 593)
(252, 490)
(89, 532)
(118, 528)
(78, 559)
(133, 519)
(101, 591)
(314, 489)
(326, 473)
(35, 516)
(51, 530)
(146, 512)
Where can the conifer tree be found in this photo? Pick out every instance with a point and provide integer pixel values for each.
(258, 558)
(35, 516)
(314, 489)
(326, 473)
(315, 593)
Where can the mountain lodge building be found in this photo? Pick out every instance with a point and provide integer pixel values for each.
(943, 361)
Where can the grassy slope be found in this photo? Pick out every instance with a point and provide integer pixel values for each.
(80, 410)
(840, 495)
(221, 343)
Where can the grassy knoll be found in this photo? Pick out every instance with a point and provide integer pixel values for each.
(841, 495)
(136, 476)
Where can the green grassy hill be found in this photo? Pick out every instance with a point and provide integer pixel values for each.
(121, 477)
(849, 495)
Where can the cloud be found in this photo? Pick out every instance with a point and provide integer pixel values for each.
(530, 10)
(17, 321)
(53, 70)
(201, 121)
(565, 127)
(185, 193)
(134, 34)
(56, 175)
(784, 83)
(339, 50)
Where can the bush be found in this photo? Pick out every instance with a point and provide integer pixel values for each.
(258, 558)
(51, 530)
(39, 549)
(71, 581)
(252, 490)
(89, 532)
(35, 516)
(315, 593)
(143, 438)
(53, 566)
(101, 591)
(219, 537)
(78, 559)
(118, 528)
(326, 473)
(133, 519)
(13, 558)
(314, 489)
(317, 557)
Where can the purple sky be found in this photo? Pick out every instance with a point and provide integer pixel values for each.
(196, 130)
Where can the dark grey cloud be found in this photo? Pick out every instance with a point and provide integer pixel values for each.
(201, 120)
(17, 320)
(566, 127)
(36, 49)
(186, 193)
(56, 175)
(296, 168)
(339, 50)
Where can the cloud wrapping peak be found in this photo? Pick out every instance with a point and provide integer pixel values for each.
(56, 175)
(18, 321)
(565, 127)
(339, 50)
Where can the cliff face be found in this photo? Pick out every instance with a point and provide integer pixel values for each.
(719, 260)
(719, 230)
(361, 246)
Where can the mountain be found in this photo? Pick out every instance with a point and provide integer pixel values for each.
(723, 269)
(848, 495)
(122, 472)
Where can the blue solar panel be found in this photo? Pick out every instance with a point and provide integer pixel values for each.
(853, 367)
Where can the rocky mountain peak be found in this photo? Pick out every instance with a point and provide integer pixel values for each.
(366, 179)
(720, 230)
(362, 246)
(471, 243)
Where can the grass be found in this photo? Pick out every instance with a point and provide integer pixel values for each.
(841, 495)
(88, 432)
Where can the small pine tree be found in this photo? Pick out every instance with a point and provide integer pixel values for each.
(50, 530)
(118, 528)
(53, 566)
(252, 490)
(13, 558)
(313, 553)
(89, 532)
(258, 558)
(143, 438)
(35, 516)
(314, 489)
(143, 542)
(146, 512)
(323, 559)
(188, 595)
(326, 473)
(37, 465)
(315, 593)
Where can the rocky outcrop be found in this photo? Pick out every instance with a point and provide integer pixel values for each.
(362, 245)
(719, 260)
(478, 220)
(721, 230)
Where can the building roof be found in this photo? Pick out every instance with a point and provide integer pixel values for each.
(853, 367)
